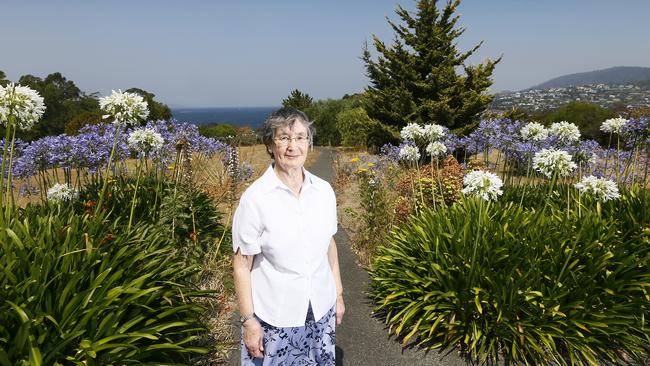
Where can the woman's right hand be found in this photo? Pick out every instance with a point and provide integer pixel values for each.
(254, 338)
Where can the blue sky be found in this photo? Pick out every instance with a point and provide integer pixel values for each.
(253, 53)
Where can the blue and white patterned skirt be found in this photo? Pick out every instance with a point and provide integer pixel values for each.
(311, 344)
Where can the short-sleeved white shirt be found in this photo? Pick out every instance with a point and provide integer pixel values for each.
(289, 237)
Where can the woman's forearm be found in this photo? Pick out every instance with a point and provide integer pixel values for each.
(333, 258)
(242, 275)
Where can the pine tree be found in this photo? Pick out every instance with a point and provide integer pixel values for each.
(417, 78)
(298, 100)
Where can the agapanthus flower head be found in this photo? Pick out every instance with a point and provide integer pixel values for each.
(390, 152)
(600, 188)
(61, 192)
(483, 184)
(21, 102)
(409, 153)
(533, 131)
(552, 162)
(613, 125)
(412, 132)
(436, 149)
(433, 132)
(566, 132)
(145, 140)
(124, 108)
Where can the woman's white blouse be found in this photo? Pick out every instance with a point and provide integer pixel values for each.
(290, 236)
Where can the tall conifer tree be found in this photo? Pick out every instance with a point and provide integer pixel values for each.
(422, 77)
(298, 100)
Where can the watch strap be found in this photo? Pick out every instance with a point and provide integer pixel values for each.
(244, 318)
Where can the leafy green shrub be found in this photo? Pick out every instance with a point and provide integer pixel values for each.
(182, 211)
(374, 217)
(525, 284)
(192, 218)
(359, 130)
(79, 291)
(220, 131)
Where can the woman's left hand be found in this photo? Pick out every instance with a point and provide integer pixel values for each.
(340, 309)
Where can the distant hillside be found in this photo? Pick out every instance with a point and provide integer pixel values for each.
(613, 75)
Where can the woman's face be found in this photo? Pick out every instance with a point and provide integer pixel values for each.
(290, 146)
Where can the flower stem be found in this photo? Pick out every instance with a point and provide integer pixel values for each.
(609, 145)
(10, 190)
(433, 190)
(135, 194)
(106, 171)
(2, 177)
(476, 240)
(523, 194)
(618, 159)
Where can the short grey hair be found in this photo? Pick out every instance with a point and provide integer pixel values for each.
(285, 117)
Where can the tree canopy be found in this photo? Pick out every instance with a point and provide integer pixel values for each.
(67, 108)
(417, 78)
(587, 116)
(298, 100)
(63, 101)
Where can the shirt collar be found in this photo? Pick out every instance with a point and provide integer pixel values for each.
(271, 180)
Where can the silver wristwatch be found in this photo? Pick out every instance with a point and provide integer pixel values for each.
(244, 318)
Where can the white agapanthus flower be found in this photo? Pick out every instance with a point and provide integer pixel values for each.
(613, 125)
(433, 132)
(145, 140)
(565, 131)
(600, 188)
(409, 153)
(483, 184)
(550, 162)
(61, 192)
(436, 149)
(22, 102)
(534, 131)
(412, 131)
(125, 108)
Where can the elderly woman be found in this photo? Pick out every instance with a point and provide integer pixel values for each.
(285, 263)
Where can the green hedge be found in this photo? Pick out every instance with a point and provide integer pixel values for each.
(522, 283)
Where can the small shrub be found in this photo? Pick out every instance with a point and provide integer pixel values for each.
(525, 284)
(183, 212)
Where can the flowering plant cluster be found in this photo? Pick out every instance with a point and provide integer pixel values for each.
(235, 169)
(534, 131)
(409, 153)
(412, 132)
(483, 184)
(125, 108)
(552, 163)
(430, 139)
(565, 132)
(21, 102)
(89, 151)
(61, 192)
(600, 188)
(613, 125)
(436, 149)
(145, 140)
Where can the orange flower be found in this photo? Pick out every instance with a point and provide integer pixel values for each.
(107, 238)
(192, 235)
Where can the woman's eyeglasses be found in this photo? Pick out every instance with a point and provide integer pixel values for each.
(284, 140)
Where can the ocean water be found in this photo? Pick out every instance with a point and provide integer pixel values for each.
(245, 116)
